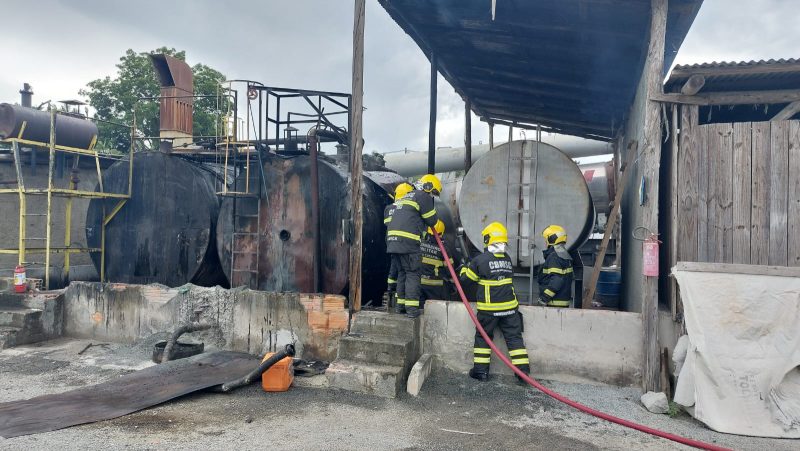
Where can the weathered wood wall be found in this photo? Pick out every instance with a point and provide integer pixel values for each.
(738, 192)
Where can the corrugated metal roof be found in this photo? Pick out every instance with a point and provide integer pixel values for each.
(739, 76)
(572, 66)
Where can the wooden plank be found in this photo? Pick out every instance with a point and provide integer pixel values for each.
(688, 184)
(760, 270)
(653, 73)
(673, 208)
(759, 218)
(723, 191)
(693, 85)
(786, 113)
(713, 213)
(357, 146)
(742, 196)
(702, 193)
(779, 190)
(731, 98)
(794, 194)
(589, 289)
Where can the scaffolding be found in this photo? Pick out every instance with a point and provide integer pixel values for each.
(51, 192)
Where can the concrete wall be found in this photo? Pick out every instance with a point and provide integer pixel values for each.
(248, 321)
(9, 205)
(563, 344)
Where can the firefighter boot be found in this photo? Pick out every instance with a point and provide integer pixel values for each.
(478, 375)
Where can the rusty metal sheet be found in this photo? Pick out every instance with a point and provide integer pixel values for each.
(123, 395)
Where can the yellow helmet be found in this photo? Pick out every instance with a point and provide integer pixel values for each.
(431, 184)
(554, 234)
(401, 190)
(494, 233)
(439, 227)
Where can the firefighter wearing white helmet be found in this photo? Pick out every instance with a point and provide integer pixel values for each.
(555, 276)
(412, 215)
(496, 300)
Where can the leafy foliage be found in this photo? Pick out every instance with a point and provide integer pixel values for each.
(114, 99)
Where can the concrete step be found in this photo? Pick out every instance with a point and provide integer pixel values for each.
(11, 300)
(19, 317)
(8, 337)
(376, 349)
(385, 324)
(380, 380)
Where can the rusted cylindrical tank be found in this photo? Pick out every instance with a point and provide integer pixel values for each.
(284, 241)
(71, 131)
(165, 232)
(527, 186)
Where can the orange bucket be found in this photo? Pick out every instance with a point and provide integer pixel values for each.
(279, 376)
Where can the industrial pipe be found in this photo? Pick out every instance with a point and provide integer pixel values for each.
(313, 151)
(173, 339)
(558, 397)
(409, 163)
(288, 351)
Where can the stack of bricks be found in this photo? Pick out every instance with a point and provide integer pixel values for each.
(326, 312)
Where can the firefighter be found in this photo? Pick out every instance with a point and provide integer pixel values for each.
(399, 192)
(555, 276)
(433, 270)
(412, 214)
(497, 302)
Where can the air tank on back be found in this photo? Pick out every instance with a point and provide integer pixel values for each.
(165, 232)
(527, 185)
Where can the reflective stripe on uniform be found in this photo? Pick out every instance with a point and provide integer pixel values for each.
(495, 283)
(432, 282)
(428, 214)
(412, 303)
(524, 361)
(401, 301)
(400, 233)
(390, 280)
(516, 352)
(558, 303)
(410, 203)
(556, 271)
(432, 261)
(549, 292)
(481, 359)
(496, 306)
(482, 350)
(470, 274)
(387, 220)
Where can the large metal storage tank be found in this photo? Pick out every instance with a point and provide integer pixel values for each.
(526, 185)
(165, 232)
(285, 245)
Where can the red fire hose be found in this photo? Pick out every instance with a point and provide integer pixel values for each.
(551, 393)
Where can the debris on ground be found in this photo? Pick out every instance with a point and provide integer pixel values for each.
(655, 402)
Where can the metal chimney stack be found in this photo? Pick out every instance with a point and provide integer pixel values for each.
(26, 96)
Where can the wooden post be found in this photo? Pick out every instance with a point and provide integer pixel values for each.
(491, 136)
(467, 135)
(432, 120)
(355, 156)
(650, 160)
(673, 210)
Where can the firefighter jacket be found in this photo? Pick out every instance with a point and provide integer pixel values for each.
(412, 216)
(432, 262)
(494, 275)
(555, 277)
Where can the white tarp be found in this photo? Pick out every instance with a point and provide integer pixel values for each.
(742, 367)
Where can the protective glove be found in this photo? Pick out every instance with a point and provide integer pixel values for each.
(541, 302)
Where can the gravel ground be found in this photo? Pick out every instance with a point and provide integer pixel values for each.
(451, 413)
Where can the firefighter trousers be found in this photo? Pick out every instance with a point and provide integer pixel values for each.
(408, 279)
(510, 324)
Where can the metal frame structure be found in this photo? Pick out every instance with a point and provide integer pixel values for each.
(51, 191)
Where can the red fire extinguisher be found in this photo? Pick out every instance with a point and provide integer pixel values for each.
(650, 253)
(20, 280)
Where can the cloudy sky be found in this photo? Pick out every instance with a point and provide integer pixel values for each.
(58, 46)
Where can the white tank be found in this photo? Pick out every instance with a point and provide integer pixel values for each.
(526, 185)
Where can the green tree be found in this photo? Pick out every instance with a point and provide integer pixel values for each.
(114, 99)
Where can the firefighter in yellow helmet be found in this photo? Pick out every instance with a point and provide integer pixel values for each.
(555, 276)
(412, 215)
(399, 192)
(497, 302)
(433, 268)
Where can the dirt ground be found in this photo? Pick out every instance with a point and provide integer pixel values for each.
(452, 413)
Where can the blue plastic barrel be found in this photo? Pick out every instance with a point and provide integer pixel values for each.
(609, 286)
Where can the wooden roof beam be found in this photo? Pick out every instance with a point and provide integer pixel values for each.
(787, 113)
(732, 98)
